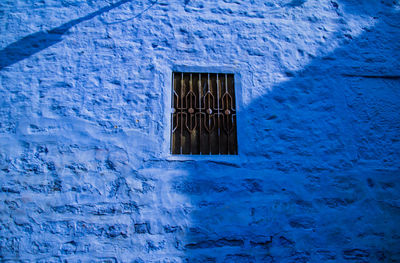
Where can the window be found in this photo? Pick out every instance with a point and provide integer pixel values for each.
(203, 114)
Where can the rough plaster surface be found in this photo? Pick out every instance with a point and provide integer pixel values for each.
(86, 174)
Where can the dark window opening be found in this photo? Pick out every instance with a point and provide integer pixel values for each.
(203, 114)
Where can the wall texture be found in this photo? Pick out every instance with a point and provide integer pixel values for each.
(86, 174)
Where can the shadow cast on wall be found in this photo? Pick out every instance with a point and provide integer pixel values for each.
(323, 151)
(321, 146)
(39, 41)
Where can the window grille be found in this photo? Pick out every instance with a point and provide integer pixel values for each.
(203, 114)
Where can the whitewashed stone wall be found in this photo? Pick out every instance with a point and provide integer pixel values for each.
(86, 174)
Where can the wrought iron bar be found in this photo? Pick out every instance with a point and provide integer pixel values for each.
(219, 135)
(182, 107)
(200, 112)
(201, 125)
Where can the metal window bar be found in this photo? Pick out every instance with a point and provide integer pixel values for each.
(203, 120)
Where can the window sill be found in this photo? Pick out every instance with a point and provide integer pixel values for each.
(233, 160)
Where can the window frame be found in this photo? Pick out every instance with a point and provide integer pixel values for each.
(167, 88)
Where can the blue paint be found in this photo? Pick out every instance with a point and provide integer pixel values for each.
(86, 172)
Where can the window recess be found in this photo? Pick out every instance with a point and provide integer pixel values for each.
(203, 118)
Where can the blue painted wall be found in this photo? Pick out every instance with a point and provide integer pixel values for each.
(86, 174)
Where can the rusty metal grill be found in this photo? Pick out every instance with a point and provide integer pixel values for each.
(203, 114)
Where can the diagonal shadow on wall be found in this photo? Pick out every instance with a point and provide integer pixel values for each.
(307, 192)
(38, 41)
(320, 146)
